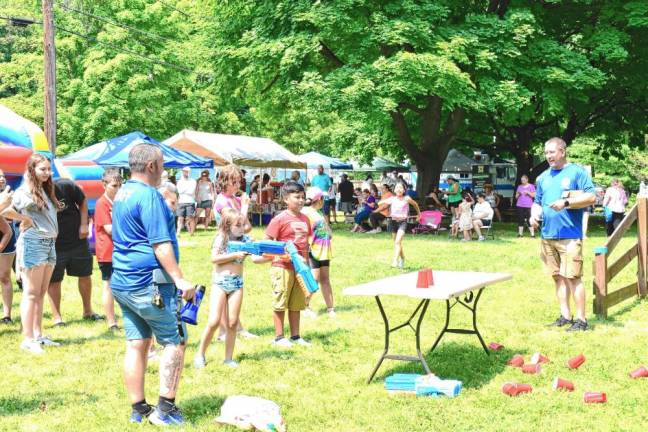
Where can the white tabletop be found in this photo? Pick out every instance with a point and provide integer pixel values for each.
(447, 284)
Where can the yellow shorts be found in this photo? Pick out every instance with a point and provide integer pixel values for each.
(286, 292)
(563, 257)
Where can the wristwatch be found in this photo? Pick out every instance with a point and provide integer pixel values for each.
(566, 204)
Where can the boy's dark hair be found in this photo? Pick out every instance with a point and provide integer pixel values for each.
(291, 187)
(481, 195)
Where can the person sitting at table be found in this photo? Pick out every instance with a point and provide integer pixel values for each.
(377, 217)
(482, 215)
(368, 203)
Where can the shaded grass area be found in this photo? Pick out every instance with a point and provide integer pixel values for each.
(79, 385)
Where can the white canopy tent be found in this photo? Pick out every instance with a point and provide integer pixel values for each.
(237, 149)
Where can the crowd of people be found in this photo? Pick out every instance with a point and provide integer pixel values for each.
(137, 224)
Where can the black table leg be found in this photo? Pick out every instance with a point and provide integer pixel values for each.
(420, 310)
(469, 299)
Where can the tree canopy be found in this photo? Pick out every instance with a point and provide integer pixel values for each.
(400, 78)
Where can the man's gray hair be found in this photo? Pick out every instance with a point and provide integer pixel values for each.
(559, 142)
(140, 155)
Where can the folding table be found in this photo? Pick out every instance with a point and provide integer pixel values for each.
(449, 286)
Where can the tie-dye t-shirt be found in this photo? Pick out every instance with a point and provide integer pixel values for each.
(320, 239)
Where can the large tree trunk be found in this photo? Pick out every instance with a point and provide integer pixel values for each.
(428, 172)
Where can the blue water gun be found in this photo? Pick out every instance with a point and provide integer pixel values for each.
(303, 272)
(269, 248)
(430, 385)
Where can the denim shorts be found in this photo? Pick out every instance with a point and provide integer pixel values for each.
(142, 319)
(36, 251)
(227, 283)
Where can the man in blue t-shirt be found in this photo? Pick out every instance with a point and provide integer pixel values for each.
(144, 280)
(562, 192)
(324, 182)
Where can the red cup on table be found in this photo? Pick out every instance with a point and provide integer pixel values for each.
(531, 368)
(642, 372)
(494, 346)
(516, 361)
(538, 358)
(594, 397)
(514, 389)
(576, 362)
(563, 384)
(430, 278)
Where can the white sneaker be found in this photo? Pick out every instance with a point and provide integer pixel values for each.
(32, 346)
(310, 313)
(199, 361)
(481, 238)
(331, 313)
(301, 342)
(401, 263)
(246, 334)
(231, 363)
(282, 343)
(220, 338)
(45, 341)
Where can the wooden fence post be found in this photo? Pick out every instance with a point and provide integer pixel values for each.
(600, 281)
(642, 245)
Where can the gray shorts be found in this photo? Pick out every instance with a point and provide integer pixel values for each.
(345, 207)
(186, 210)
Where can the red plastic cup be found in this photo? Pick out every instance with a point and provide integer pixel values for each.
(576, 362)
(516, 361)
(514, 389)
(531, 369)
(430, 277)
(562, 384)
(538, 358)
(642, 372)
(594, 397)
(422, 280)
(494, 346)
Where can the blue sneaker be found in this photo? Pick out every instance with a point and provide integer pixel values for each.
(137, 417)
(170, 418)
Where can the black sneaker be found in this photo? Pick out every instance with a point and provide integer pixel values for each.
(579, 325)
(6, 320)
(561, 321)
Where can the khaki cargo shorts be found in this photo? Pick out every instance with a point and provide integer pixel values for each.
(563, 257)
(286, 292)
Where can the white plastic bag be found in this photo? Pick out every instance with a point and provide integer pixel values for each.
(251, 413)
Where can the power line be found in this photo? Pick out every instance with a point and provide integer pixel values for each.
(27, 21)
(115, 47)
(116, 23)
(175, 9)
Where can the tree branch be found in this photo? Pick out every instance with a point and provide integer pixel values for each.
(431, 120)
(404, 136)
(330, 55)
(271, 83)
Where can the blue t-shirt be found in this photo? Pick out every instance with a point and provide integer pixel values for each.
(141, 219)
(552, 185)
(323, 182)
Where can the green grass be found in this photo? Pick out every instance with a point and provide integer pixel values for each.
(79, 385)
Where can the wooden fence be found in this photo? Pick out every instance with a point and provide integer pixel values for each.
(604, 272)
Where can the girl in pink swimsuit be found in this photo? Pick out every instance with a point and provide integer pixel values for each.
(399, 205)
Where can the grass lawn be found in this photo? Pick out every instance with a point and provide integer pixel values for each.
(78, 386)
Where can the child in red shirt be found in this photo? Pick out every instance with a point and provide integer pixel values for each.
(112, 181)
(289, 225)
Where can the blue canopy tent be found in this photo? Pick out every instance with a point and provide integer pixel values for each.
(114, 153)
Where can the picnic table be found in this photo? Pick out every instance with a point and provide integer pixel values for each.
(449, 286)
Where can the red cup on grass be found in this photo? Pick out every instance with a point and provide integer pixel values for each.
(562, 384)
(576, 362)
(642, 372)
(594, 397)
(514, 389)
(538, 358)
(516, 361)
(494, 346)
(531, 369)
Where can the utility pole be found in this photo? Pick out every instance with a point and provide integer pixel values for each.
(50, 75)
